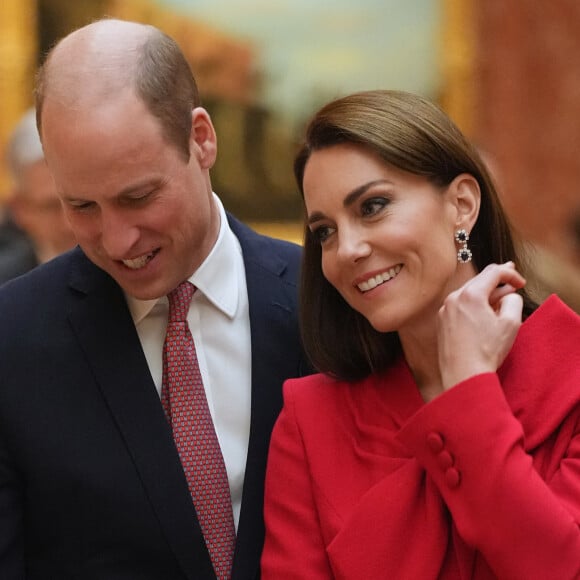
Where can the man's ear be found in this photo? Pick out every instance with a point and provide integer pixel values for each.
(465, 197)
(203, 139)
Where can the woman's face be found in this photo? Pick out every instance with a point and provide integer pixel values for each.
(387, 236)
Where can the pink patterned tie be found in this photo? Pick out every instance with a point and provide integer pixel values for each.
(185, 404)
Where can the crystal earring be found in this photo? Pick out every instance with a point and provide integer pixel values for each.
(464, 253)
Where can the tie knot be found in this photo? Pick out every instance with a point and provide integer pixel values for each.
(179, 301)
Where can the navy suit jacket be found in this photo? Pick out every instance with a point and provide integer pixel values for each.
(91, 486)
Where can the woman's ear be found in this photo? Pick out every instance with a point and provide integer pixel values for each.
(465, 196)
(203, 139)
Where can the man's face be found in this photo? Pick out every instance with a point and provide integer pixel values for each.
(138, 208)
(37, 210)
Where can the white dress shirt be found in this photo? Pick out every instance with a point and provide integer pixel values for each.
(220, 324)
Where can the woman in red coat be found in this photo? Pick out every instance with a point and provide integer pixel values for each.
(442, 438)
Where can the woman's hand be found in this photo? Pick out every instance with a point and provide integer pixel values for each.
(478, 323)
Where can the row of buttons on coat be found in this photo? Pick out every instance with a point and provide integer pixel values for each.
(445, 460)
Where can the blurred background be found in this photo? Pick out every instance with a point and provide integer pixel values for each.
(508, 73)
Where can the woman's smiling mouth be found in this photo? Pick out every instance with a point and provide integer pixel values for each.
(379, 279)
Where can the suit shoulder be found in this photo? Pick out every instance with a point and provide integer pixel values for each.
(42, 289)
(285, 249)
(279, 257)
(36, 280)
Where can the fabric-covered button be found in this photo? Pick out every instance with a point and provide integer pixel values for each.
(445, 459)
(452, 477)
(435, 442)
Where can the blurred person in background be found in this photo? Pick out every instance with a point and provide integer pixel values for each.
(16, 251)
(34, 229)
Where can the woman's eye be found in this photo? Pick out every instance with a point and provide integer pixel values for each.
(373, 205)
(321, 233)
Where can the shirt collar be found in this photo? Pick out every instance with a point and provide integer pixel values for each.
(216, 278)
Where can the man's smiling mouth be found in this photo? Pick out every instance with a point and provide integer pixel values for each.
(141, 261)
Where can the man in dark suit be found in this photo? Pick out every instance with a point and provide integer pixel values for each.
(91, 484)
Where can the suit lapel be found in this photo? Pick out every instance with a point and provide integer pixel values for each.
(275, 357)
(105, 330)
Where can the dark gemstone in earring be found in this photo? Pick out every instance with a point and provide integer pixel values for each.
(465, 255)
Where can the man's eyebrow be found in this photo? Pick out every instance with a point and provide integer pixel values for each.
(135, 187)
(126, 191)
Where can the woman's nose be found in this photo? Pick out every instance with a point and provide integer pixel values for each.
(352, 246)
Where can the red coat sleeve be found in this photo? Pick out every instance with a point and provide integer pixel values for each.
(472, 446)
(294, 547)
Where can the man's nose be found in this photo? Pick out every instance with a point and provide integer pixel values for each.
(118, 235)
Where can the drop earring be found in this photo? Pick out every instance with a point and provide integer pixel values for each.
(464, 254)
